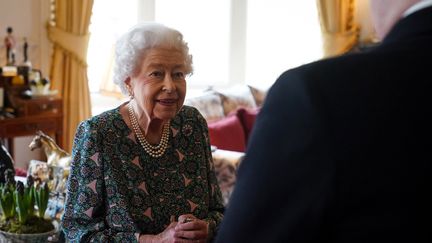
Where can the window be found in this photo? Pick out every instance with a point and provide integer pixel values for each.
(205, 26)
(280, 35)
(110, 18)
(232, 41)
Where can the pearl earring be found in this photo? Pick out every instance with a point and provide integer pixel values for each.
(131, 95)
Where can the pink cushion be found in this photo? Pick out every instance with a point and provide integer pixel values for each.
(20, 172)
(247, 118)
(227, 134)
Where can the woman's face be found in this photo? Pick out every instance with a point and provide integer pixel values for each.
(159, 88)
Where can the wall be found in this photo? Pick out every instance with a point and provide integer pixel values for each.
(367, 32)
(28, 19)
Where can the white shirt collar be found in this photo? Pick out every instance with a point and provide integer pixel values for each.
(418, 6)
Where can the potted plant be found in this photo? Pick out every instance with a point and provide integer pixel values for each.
(23, 209)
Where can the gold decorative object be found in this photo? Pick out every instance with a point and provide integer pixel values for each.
(58, 161)
(55, 155)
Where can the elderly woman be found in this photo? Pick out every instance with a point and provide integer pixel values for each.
(143, 172)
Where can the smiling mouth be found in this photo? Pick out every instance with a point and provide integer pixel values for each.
(167, 102)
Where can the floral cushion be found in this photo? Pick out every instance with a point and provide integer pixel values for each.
(208, 104)
(236, 97)
(258, 94)
(226, 164)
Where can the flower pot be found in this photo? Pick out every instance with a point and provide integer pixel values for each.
(6, 237)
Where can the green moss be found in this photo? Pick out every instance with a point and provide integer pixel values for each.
(33, 225)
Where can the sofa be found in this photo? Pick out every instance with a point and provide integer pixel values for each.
(230, 116)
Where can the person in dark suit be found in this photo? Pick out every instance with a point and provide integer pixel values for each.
(340, 151)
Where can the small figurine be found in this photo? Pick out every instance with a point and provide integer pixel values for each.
(10, 46)
(26, 61)
(56, 156)
(25, 49)
(38, 85)
(58, 163)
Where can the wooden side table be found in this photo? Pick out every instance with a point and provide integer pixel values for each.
(43, 113)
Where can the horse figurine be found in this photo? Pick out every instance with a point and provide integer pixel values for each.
(58, 163)
(55, 155)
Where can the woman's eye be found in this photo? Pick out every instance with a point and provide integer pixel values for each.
(156, 74)
(179, 75)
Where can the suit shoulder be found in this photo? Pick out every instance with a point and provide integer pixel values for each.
(329, 70)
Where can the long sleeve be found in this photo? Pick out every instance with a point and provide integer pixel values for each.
(85, 207)
(116, 190)
(216, 207)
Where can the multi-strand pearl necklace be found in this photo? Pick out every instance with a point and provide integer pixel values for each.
(154, 151)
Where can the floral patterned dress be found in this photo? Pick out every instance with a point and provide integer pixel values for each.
(116, 190)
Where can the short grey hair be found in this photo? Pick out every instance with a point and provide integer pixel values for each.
(131, 48)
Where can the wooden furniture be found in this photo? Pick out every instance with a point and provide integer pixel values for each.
(37, 113)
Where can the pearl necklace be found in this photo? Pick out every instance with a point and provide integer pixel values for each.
(154, 151)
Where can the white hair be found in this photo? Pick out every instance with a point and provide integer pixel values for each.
(132, 47)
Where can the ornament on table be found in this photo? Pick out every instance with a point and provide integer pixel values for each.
(38, 85)
(10, 42)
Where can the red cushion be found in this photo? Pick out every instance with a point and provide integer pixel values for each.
(20, 172)
(227, 134)
(247, 118)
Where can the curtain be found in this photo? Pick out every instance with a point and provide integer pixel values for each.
(68, 72)
(338, 26)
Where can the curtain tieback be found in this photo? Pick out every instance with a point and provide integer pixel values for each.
(70, 42)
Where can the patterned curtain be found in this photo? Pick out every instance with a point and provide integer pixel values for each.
(339, 28)
(68, 73)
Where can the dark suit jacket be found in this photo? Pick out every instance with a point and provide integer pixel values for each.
(342, 151)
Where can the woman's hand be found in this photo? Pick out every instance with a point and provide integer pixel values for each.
(191, 229)
(166, 236)
(188, 229)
